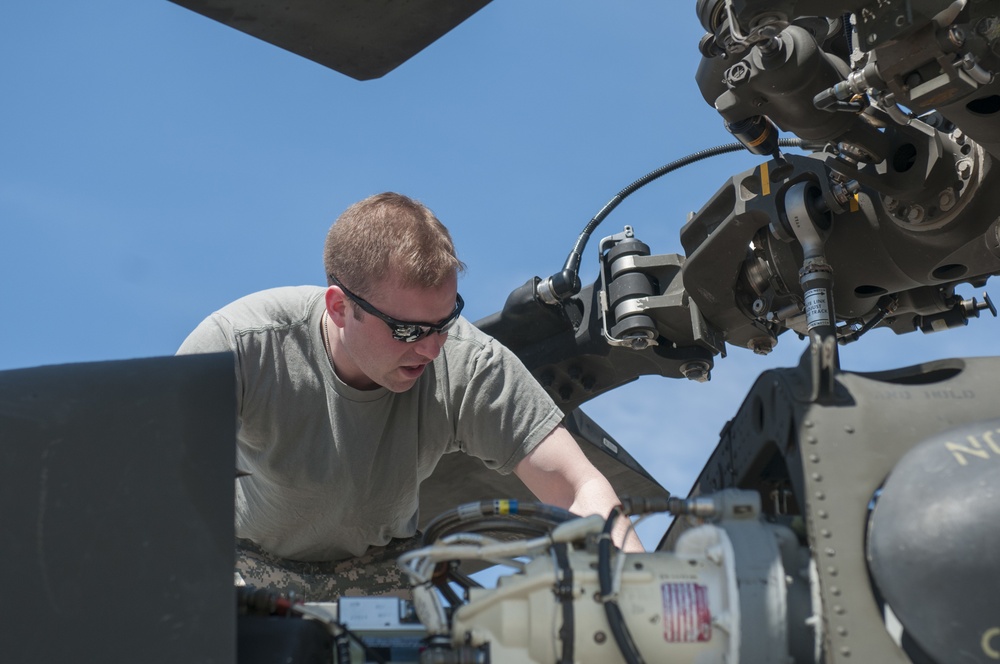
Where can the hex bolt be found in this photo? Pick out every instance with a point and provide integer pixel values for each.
(696, 370)
(946, 200)
(737, 73)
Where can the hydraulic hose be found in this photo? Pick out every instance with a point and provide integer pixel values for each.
(615, 619)
(526, 519)
(567, 283)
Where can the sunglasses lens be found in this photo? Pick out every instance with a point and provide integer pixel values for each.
(412, 332)
(409, 333)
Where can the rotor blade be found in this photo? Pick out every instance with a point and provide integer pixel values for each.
(363, 39)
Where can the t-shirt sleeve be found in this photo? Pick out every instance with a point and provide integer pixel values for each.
(215, 335)
(504, 413)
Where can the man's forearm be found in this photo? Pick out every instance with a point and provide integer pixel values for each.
(560, 474)
(596, 496)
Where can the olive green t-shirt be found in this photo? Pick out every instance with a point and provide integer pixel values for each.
(334, 469)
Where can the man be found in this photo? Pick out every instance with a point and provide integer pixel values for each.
(348, 396)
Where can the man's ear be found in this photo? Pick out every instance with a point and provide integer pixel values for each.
(337, 306)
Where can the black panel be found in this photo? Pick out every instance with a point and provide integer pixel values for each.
(364, 39)
(116, 511)
(284, 640)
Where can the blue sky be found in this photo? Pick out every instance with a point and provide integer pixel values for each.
(156, 165)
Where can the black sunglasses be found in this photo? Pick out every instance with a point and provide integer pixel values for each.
(404, 331)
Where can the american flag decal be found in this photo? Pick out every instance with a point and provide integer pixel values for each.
(686, 618)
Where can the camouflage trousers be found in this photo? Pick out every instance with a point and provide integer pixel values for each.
(374, 573)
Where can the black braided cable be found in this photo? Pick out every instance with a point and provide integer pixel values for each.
(572, 266)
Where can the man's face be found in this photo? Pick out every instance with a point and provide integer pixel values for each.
(364, 352)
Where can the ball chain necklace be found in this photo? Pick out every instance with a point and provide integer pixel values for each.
(326, 340)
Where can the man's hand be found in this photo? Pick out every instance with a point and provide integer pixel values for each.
(558, 473)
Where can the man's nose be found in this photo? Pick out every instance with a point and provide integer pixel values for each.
(430, 346)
